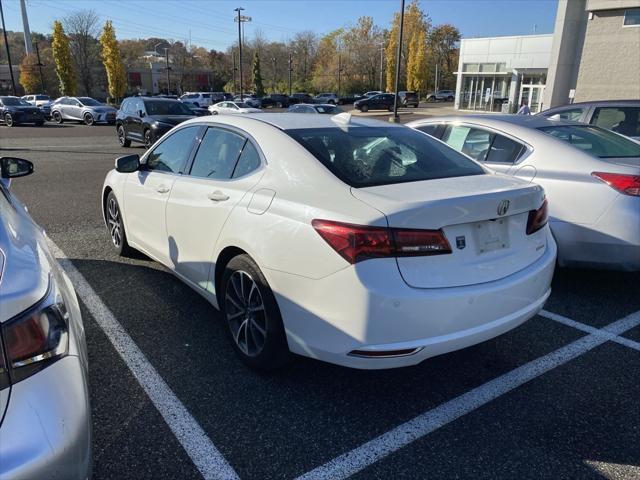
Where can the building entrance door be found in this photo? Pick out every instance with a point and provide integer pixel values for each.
(532, 95)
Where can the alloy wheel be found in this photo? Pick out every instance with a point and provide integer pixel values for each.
(121, 137)
(115, 225)
(88, 119)
(246, 313)
(147, 139)
(8, 120)
(57, 117)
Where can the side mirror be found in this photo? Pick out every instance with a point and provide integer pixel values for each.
(11, 167)
(128, 163)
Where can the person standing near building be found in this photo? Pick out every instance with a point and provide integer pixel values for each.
(524, 109)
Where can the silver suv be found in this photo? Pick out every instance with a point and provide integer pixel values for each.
(45, 416)
(330, 98)
(442, 95)
(82, 109)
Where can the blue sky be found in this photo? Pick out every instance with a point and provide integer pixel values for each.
(211, 25)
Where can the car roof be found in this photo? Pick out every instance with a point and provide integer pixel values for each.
(531, 121)
(161, 99)
(291, 121)
(596, 103)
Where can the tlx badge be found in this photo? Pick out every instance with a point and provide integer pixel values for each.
(461, 242)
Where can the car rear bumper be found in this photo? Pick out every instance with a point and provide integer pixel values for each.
(368, 307)
(46, 432)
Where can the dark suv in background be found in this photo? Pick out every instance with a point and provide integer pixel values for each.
(277, 100)
(300, 98)
(408, 99)
(146, 119)
(383, 101)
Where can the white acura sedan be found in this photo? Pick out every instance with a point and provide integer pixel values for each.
(591, 176)
(356, 242)
(233, 108)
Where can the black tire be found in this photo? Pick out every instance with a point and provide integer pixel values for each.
(88, 119)
(148, 138)
(115, 226)
(39, 124)
(122, 137)
(8, 120)
(214, 113)
(449, 99)
(196, 104)
(390, 108)
(57, 117)
(431, 99)
(364, 108)
(262, 343)
(415, 105)
(331, 102)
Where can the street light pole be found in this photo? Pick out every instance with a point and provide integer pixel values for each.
(381, 64)
(235, 85)
(273, 87)
(395, 117)
(6, 44)
(290, 70)
(166, 54)
(40, 65)
(240, 9)
(339, 72)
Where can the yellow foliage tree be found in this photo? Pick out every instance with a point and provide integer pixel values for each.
(417, 64)
(64, 62)
(28, 77)
(116, 74)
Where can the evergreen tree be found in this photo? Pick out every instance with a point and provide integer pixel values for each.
(257, 76)
(116, 74)
(64, 62)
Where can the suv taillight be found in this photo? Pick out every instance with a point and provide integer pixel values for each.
(627, 184)
(360, 242)
(34, 339)
(538, 218)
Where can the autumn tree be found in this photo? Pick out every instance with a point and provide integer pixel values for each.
(82, 30)
(417, 69)
(64, 62)
(116, 74)
(257, 76)
(29, 78)
(443, 45)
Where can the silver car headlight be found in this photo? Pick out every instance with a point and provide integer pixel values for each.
(34, 339)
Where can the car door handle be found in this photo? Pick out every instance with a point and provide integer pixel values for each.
(217, 196)
(162, 189)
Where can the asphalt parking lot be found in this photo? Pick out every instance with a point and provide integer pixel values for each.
(554, 398)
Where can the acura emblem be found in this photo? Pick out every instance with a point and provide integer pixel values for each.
(503, 207)
(461, 242)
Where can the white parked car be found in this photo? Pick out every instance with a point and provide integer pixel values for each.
(357, 242)
(37, 100)
(232, 107)
(591, 176)
(199, 99)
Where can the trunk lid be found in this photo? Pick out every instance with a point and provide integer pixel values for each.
(486, 245)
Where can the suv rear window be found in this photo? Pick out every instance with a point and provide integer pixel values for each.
(370, 156)
(595, 141)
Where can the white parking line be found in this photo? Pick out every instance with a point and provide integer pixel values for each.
(206, 457)
(589, 329)
(363, 456)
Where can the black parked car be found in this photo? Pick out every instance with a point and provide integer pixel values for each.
(384, 101)
(300, 98)
(197, 111)
(146, 119)
(350, 98)
(14, 111)
(408, 99)
(277, 100)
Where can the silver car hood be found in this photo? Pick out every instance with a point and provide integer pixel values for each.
(24, 276)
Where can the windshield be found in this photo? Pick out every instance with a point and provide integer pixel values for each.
(162, 107)
(328, 109)
(89, 102)
(14, 102)
(369, 156)
(595, 141)
(42, 97)
(242, 105)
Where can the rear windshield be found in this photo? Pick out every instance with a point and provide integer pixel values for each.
(596, 141)
(164, 107)
(369, 156)
(42, 97)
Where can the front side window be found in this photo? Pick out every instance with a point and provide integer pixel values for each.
(369, 156)
(595, 141)
(470, 141)
(89, 102)
(217, 154)
(632, 17)
(172, 153)
(624, 120)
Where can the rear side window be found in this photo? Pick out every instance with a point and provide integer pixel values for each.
(595, 141)
(428, 129)
(573, 114)
(248, 162)
(504, 150)
(369, 156)
(172, 153)
(470, 141)
(624, 120)
(217, 154)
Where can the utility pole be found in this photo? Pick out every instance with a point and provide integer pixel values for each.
(235, 85)
(339, 73)
(28, 46)
(273, 87)
(40, 65)
(290, 70)
(381, 64)
(166, 55)
(6, 44)
(395, 117)
(239, 20)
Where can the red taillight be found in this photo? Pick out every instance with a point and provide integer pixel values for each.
(627, 184)
(358, 242)
(538, 218)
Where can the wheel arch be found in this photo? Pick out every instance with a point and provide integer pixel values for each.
(105, 194)
(223, 259)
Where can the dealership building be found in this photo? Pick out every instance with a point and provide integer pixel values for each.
(593, 54)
